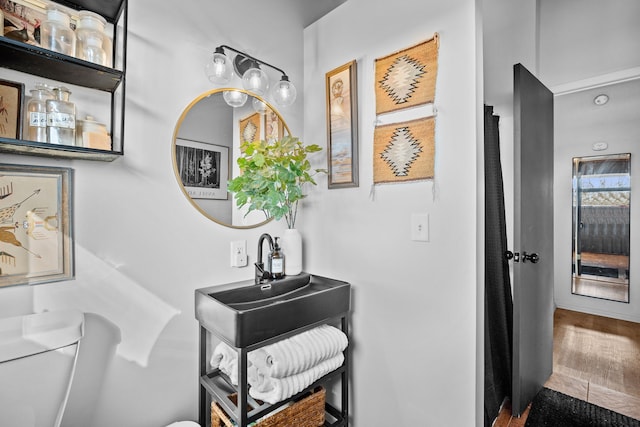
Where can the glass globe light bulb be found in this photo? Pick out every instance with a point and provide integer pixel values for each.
(219, 69)
(234, 98)
(284, 92)
(259, 106)
(255, 80)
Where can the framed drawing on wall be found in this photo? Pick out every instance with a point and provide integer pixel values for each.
(11, 98)
(23, 19)
(273, 126)
(36, 238)
(203, 169)
(342, 126)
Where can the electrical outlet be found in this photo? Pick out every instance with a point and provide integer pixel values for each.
(420, 227)
(238, 253)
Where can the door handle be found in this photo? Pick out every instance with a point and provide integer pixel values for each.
(512, 256)
(533, 257)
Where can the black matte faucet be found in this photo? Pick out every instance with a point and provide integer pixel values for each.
(262, 274)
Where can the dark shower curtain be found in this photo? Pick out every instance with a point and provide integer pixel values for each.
(498, 303)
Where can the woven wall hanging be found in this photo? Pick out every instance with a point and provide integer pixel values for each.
(250, 128)
(407, 78)
(404, 151)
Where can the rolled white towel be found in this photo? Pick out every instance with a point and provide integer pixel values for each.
(300, 352)
(225, 358)
(273, 390)
(257, 379)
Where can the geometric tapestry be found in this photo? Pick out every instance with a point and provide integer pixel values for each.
(404, 151)
(250, 129)
(407, 78)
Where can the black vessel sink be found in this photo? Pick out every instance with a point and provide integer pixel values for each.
(245, 313)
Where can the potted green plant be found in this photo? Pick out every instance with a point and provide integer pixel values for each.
(271, 180)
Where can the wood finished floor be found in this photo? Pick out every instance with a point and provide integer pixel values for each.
(596, 359)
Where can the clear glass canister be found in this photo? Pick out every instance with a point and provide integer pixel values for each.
(56, 33)
(61, 118)
(90, 37)
(37, 113)
(91, 134)
(92, 51)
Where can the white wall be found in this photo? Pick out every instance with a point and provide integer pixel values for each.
(562, 218)
(573, 57)
(557, 42)
(581, 39)
(582, 124)
(414, 303)
(141, 248)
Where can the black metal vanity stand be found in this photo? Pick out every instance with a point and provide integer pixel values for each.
(216, 386)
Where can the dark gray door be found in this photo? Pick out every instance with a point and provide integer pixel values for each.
(533, 238)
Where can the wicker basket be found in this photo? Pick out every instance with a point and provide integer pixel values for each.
(306, 412)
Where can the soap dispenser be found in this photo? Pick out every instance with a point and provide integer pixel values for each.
(276, 261)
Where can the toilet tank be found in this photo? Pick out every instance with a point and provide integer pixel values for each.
(38, 354)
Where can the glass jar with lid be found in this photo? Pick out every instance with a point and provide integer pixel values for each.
(92, 51)
(37, 113)
(90, 37)
(91, 134)
(61, 118)
(56, 33)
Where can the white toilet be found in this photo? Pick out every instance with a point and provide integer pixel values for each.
(38, 357)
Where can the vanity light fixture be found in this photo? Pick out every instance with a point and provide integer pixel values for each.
(220, 69)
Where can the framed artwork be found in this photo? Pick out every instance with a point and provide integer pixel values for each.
(36, 226)
(342, 126)
(11, 98)
(22, 20)
(203, 169)
(273, 126)
(407, 78)
(250, 128)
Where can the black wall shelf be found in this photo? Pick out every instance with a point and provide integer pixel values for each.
(56, 66)
(37, 61)
(42, 149)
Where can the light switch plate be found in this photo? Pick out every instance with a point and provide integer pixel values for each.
(420, 227)
(238, 253)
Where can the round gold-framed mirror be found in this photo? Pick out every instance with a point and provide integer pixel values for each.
(205, 147)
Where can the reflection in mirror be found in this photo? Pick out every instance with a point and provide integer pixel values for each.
(206, 145)
(601, 220)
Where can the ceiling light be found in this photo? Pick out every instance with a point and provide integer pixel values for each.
(601, 99)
